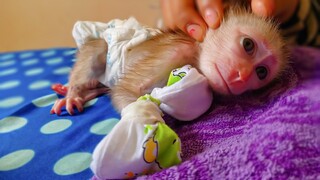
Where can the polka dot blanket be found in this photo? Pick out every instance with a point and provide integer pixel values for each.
(273, 133)
(34, 143)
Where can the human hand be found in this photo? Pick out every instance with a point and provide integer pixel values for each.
(195, 16)
(192, 16)
(281, 10)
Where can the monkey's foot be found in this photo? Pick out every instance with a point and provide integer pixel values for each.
(69, 103)
(77, 101)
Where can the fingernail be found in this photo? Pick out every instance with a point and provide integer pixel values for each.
(212, 18)
(195, 31)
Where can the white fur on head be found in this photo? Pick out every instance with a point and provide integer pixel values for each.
(239, 18)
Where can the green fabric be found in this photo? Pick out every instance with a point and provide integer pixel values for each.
(173, 78)
(169, 146)
(149, 97)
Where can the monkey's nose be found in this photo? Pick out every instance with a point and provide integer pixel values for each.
(240, 76)
(244, 74)
(240, 81)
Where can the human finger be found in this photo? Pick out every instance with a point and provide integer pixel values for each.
(281, 10)
(265, 8)
(211, 11)
(183, 15)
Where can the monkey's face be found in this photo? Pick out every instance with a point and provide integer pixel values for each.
(239, 62)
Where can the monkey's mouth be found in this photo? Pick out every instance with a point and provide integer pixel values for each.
(224, 82)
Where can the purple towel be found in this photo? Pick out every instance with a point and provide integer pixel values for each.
(271, 133)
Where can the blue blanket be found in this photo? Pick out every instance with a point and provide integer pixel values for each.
(34, 143)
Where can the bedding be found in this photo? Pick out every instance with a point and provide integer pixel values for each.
(270, 133)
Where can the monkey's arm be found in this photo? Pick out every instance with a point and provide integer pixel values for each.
(150, 63)
(83, 84)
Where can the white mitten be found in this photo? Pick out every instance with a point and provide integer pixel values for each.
(187, 95)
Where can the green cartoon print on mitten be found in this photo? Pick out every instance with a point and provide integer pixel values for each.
(177, 74)
(163, 147)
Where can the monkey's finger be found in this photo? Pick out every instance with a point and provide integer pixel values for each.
(183, 15)
(52, 111)
(211, 11)
(56, 109)
(69, 106)
(78, 103)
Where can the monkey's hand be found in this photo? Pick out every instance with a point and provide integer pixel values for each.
(75, 100)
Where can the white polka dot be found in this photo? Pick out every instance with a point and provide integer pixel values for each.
(34, 71)
(8, 72)
(74, 60)
(91, 102)
(48, 53)
(9, 84)
(11, 101)
(26, 55)
(62, 71)
(73, 163)
(16, 159)
(7, 63)
(30, 62)
(6, 56)
(69, 52)
(104, 127)
(54, 61)
(45, 100)
(56, 126)
(12, 123)
(39, 85)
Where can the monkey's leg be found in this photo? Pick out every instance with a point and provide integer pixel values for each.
(83, 83)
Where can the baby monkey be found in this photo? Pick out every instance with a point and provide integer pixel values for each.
(245, 53)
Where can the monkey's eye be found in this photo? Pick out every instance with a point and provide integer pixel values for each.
(262, 72)
(248, 45)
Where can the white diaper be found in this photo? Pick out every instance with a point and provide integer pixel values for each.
(120, 35)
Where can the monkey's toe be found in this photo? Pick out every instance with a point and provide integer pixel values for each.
(71, 102)
(56, 108)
